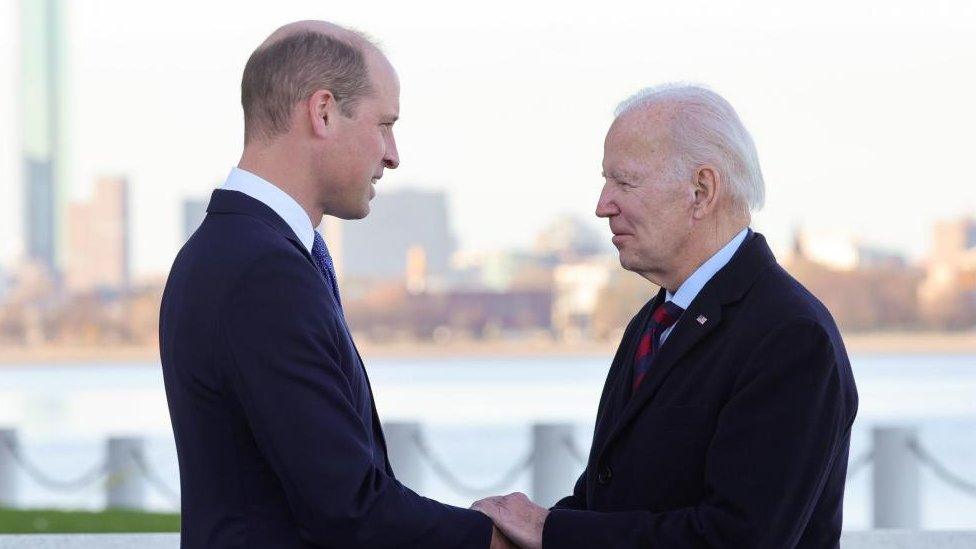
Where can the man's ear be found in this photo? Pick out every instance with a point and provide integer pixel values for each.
(708, 186)
(323, 111)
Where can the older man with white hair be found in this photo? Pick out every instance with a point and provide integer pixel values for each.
(726, 416)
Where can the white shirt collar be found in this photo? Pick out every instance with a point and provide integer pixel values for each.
(690, 288)
(273, 197)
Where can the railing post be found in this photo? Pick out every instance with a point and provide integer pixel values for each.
(8, 468)
(124, 486)
(895, 478)
(405, 458)
(554, 467)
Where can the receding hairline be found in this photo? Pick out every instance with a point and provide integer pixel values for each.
(660, 112)
(354, 38)
(372, 53)
(653, 122)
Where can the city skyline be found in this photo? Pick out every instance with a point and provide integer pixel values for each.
(847, 137)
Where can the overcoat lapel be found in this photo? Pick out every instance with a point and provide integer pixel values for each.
(701, 318)
(687, 333)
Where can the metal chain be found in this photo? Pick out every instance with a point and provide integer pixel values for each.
(81, 482)
(944, 474)
(859, 463)
(453, 481)
(457, 485)
(154, 479)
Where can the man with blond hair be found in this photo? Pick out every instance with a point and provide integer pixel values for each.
(726, 416)
(278, 439)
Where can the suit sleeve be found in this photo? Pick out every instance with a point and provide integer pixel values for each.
(773, 447)
(282, 333)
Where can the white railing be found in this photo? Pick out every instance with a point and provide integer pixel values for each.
(554, 460)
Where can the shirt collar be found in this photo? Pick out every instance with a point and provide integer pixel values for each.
(690, 288)
(273, 197)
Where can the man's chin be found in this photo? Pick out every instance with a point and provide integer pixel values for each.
(353, 214)
(626, 261)
(635, 265)
(363, 211)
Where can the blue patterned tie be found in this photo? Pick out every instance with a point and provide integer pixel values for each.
(324, 261)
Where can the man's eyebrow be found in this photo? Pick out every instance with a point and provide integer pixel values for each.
(620, 174)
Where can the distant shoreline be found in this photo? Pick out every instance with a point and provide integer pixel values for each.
(869, 343)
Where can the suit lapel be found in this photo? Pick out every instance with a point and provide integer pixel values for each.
(235, 202)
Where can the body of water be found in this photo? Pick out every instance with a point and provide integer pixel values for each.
(477, 415)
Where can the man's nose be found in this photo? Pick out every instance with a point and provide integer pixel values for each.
(392, 157)
(605, 206)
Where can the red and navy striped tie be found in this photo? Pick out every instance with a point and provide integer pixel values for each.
(663, 317)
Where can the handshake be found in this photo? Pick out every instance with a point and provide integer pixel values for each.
(518, 521)
(726, 412)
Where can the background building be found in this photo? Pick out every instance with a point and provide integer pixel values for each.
(864, 287)
(193, 212)
(44, 137)
(947, 296)
(842, 251)
(577, 289)
(569, 238)
(378, 246)
(98, 239)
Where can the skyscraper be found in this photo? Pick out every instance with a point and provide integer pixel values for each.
(98, 238)
(43, 133)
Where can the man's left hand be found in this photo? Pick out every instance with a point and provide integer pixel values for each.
(516, 516)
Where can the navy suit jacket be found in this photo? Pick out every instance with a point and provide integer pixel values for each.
(278, 439)
(738, 436)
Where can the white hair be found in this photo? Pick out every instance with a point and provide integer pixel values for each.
(706, 130)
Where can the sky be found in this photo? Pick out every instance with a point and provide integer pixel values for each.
(862, 112)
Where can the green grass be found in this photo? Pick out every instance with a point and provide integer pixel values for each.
(40, 521)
